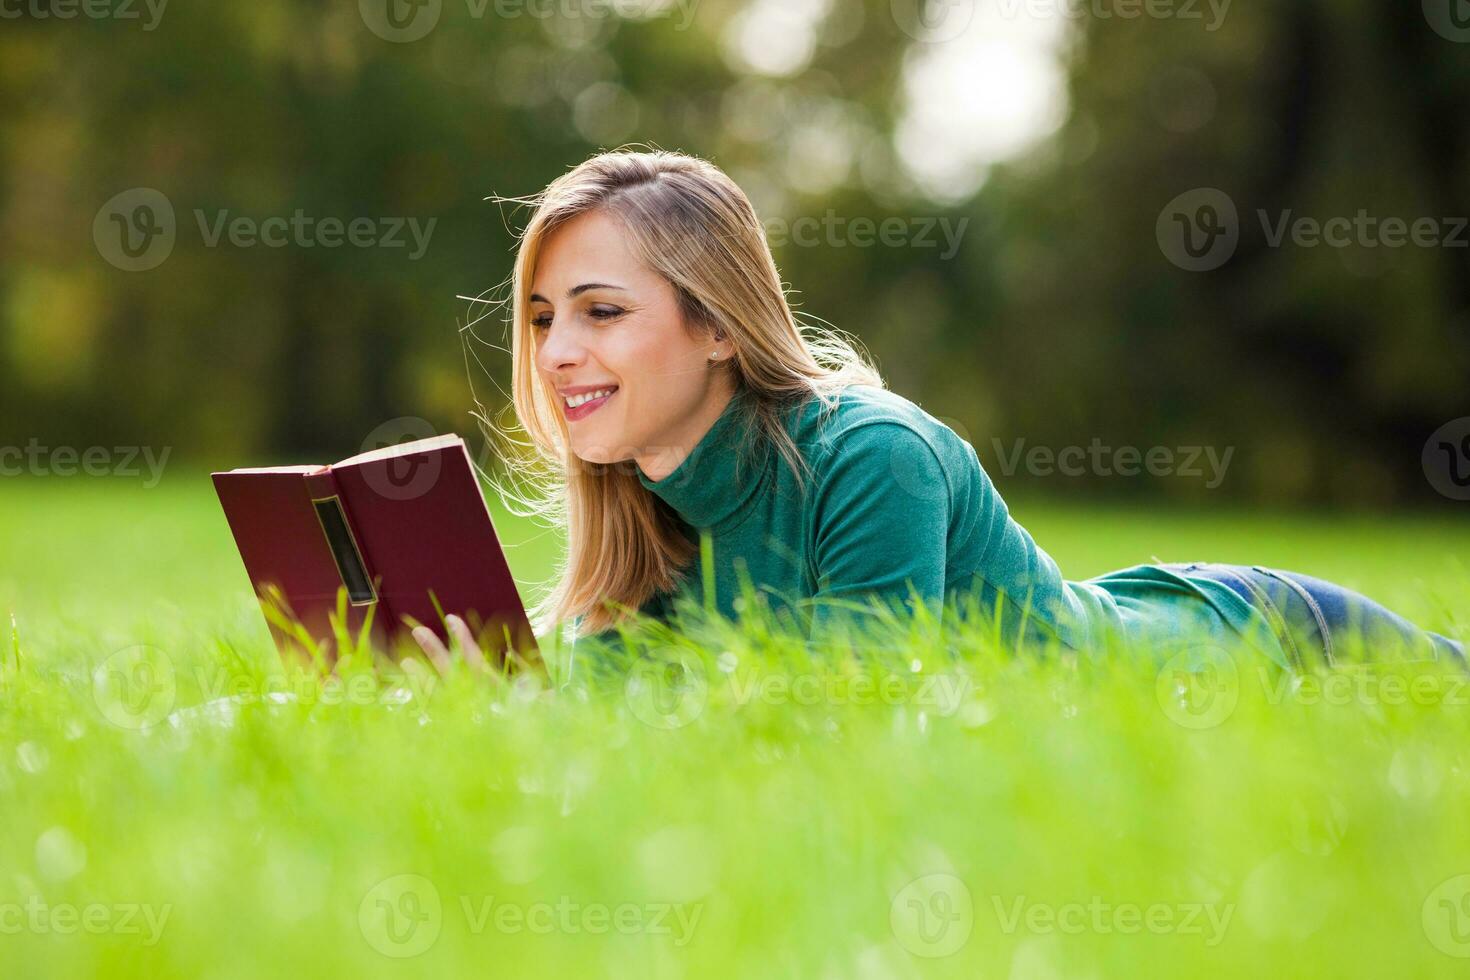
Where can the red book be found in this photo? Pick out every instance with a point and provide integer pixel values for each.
(398, 527)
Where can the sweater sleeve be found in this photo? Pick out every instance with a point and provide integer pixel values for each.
(882, 513)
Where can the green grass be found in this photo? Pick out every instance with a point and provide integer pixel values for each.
(757, 811)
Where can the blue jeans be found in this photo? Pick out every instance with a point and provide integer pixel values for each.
(1323, 623)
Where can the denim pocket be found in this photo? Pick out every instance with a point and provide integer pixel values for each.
(1324, 632)
(1280, 606)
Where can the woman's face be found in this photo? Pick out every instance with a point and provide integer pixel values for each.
(602, 320)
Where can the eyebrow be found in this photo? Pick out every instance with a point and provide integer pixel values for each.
(576, 291)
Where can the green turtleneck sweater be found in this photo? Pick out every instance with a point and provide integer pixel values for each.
(896, 500)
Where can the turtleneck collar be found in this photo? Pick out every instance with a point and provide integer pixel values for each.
(722, 473)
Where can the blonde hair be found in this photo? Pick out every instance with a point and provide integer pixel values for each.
(689, 222)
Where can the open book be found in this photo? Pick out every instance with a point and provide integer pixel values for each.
(403, 529)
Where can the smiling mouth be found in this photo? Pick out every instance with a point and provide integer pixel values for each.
(583, 405)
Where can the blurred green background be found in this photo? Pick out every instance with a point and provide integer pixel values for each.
(982, 192)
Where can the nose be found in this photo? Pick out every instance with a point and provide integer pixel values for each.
(557, 350)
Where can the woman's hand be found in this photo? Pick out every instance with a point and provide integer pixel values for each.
(459, 633)
(461, 636)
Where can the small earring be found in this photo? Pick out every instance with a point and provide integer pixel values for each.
(714, 355)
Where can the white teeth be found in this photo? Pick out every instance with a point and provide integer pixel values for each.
(574, 400)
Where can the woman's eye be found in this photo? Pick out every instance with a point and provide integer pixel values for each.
(604, 312)
(541, 322)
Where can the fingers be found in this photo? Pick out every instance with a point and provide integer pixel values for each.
(473, 655)
(461, 636)
(433, 648)
(419, 676)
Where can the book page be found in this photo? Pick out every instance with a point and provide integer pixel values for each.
(313, 468)
(403, 449)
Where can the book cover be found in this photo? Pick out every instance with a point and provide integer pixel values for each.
(399, 528)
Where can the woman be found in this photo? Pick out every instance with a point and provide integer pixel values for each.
(659, 371)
